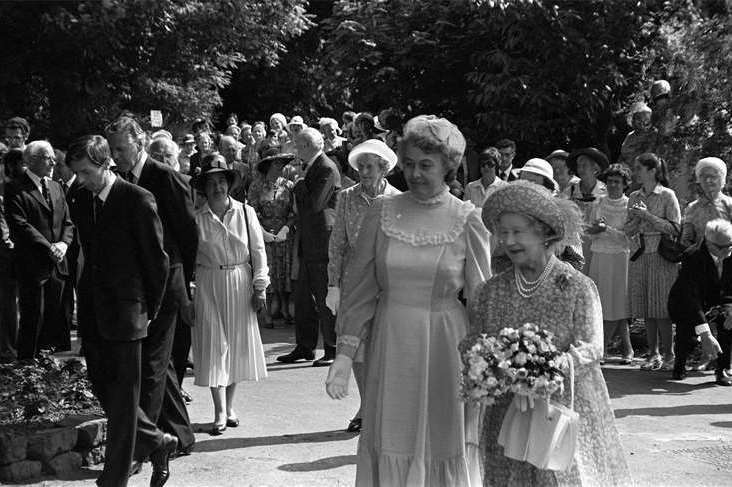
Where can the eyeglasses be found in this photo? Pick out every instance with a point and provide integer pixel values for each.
(721, 246)
(45, 158)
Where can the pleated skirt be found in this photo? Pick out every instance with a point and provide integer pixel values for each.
(650, 279)
(227, 346)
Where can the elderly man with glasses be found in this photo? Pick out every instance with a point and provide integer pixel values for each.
(41, 229)
(702, 296)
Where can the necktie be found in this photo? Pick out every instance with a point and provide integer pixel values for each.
(98, 204)
(46, 194)
(504, 176)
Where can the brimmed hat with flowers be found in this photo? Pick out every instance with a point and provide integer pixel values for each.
(273, 156)
(212, 164)
(376, 147)
(542, 168)
(529, 199)
(595, 154)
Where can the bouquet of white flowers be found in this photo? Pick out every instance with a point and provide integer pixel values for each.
(521, 360)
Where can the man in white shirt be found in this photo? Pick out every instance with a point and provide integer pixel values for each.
(477, 191)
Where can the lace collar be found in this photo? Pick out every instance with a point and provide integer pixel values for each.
(436, 200)
(419, 223)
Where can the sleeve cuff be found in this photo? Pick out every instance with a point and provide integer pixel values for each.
(347, 345)
(703, 328)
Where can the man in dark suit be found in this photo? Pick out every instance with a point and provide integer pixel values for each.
(315, 198)
(41, 229)
(705, 282)
(121, 289)
(180, 237)
(507, 148)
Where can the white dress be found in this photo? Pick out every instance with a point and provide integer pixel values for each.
(227, 347)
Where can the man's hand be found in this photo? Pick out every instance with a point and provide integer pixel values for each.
(710, 345)
(58, 250)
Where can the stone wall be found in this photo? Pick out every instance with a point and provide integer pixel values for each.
(56, 451)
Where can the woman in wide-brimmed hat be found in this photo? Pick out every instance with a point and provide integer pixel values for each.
(541, 289)
(372, 160)
(415, 252)
(231, 279)
(587, 164)
(271, 197)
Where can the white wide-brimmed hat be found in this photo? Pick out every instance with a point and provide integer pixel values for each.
(542, 168)
(373, 146)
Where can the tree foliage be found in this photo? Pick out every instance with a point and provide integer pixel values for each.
(544, 73)
(72, 65)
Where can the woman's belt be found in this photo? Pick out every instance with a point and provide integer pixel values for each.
(223, 267)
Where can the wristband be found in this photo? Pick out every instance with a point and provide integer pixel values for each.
(703, 328)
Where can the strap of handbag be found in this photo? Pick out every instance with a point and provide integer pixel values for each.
(249, 242)
(571, 383)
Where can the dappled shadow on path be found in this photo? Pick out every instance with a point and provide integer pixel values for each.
(676, 410)
(624, 381)
(220, 444)
(320, 464)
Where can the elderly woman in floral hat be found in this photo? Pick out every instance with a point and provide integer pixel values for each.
(541, 289)
(414, 253)
(373, 160)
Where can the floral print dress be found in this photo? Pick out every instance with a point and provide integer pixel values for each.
(568, 305)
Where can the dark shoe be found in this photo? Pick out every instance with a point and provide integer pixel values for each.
(295, 355)
(722, 379)
(232, 422)
(183, 452)
(160, 460)
(323, 362)
(135, 468)
(354, 426)
(186, 397)
(679, 374)
(217, 430)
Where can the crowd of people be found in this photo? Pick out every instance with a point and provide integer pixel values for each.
(368, 235)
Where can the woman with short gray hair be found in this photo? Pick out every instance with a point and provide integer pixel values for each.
(373, 160)
(415, 252)
(711, 174)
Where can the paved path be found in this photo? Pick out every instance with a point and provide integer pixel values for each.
(291, 433)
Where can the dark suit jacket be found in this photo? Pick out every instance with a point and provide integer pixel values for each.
(125, 265)
(698, 287)
(175, 207)
(315, 193)
(72, 256)
(34, 227)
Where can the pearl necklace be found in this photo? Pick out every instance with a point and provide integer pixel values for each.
(527, 288)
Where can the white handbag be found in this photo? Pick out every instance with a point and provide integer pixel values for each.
(545, 435)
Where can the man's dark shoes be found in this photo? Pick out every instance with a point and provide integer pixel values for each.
(160, 460)
(679, 374)
(722, 379)
(354, 426)
(324, 361)
(295, 355)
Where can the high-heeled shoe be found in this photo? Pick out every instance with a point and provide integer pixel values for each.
(217, 429)
(232, 422)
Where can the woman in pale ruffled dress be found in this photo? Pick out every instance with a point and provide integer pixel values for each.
(414, 253)
(541, 289)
